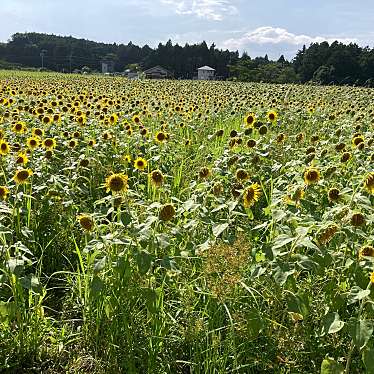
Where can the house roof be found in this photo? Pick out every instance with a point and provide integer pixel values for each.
(157, 68)
(206, 68)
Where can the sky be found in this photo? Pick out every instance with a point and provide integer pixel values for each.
(272, 27)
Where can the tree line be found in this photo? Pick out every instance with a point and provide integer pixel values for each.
(61, 53)
(324, 63)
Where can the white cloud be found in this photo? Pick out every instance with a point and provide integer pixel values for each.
(214, 10)
(275, 35)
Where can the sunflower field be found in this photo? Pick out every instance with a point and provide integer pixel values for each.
(184, 226)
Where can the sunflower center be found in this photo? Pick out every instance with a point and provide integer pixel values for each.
(157, 176)
(116, 184)
(160, 136)
(86, 223)
(250, 194)
(22, 175)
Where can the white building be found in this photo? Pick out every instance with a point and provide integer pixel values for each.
(205, 73)
(107, 67)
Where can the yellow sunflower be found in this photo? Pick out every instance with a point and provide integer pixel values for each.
(160, 137)
(33, 142)
(250, 119)
(4, 191)
(136, 119)
(113, 119)
(86, 222)
(47, 120)
(19, 127)
(126, 159)
(311, 175)
(272, 116)
(140, 163)
(366, 251)
(333, 194)
(167, 212)
(56, 118)
(4, 147)
(241, 175)
(37, 132)
(369, 182)
(81, 119)
(157, 178)
(72, 143)
(49, 143)
(22, 158)
(22, 175)
(357, 140)
(116, 183)
(251, 195)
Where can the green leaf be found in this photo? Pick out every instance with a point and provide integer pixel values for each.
(368, 359)
(260, 256)
(31, 282)
(250, 214)
(191, 224)
(357, 294)
(299, 303)
(330, 366)
(144, 261)
(97, 286)
(281, 241)
(99, 265)
(282, 272)
(232, 205)
(16, 266)
(126, 218)
(360, 332)
(307, 243)
(151, 298)
(331, 324)
(169, 264)
(5, 230)
(278, 215)
(204, 246)
(219, 229)
(163, 240)
(306, 263)
(255, 323)
(7, 310)
(27, 233)
(219, 207)
(190, 205)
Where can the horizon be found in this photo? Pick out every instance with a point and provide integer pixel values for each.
(230, 24)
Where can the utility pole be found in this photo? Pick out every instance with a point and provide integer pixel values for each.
(42, 54)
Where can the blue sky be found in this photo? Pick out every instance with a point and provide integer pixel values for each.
(259, 27)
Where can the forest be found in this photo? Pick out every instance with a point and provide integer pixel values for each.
(323, 63)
